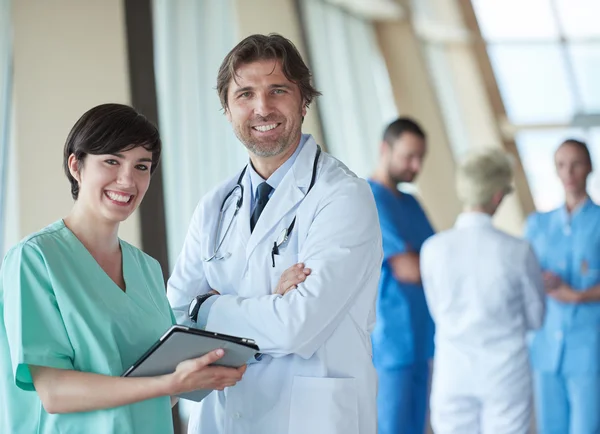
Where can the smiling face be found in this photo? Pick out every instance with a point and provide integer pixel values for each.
(111, 186)
(265, 109)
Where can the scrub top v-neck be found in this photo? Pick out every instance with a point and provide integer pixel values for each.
(60, 309)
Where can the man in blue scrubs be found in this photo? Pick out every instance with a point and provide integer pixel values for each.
(403, 335)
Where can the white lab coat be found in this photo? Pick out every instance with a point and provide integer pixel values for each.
(317, 374)
(485, 292)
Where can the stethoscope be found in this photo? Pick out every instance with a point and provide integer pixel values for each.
(283, 237)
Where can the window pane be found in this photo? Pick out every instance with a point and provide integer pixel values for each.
(579, 18)
(533, 82)
(536, 148)
(516, 19)
(594, 180)
(586, 63)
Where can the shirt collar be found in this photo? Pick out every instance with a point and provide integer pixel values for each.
(567, 217)
(277, 176)
(470, 219)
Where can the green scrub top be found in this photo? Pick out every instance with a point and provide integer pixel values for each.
(59, 309)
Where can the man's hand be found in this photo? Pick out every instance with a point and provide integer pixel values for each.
(290, 279)
(406, 267)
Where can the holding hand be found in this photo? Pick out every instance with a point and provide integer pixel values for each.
(551, 280)
(196, 374)
(291, 278)
(559, 290)
(566, 294)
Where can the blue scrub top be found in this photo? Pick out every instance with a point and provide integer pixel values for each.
(569, 246)
(404, 330)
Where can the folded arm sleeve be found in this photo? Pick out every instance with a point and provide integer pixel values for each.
(393, 242)
(188, 278)
(534, 294)
(343, 250)
(34, 324)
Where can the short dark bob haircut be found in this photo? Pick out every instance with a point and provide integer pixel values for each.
(110, 129)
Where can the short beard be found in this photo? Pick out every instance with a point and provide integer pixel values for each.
(400, 178)
(282, 144)
(255, 148)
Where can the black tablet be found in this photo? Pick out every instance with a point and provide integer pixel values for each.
(181, 343)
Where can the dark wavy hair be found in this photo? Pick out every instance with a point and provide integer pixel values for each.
(267, 47)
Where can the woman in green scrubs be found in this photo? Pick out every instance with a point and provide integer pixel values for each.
(78, 305)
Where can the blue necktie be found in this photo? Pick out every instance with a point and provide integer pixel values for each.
(264, 190)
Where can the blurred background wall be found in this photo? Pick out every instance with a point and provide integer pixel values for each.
(474, 73)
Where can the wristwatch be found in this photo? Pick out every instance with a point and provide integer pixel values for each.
(194, 306)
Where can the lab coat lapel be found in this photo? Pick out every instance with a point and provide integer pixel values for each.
(286, 197)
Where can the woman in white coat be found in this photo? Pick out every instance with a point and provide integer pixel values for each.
(485, 291)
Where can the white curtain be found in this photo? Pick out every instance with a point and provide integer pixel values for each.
(191, 38)
(5, 107)
(357, 102)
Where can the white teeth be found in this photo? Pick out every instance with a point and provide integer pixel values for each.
(118, 197)
(263, 128)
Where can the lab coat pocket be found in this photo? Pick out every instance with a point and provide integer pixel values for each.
(324, 406)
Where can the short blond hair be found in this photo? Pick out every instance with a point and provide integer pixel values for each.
(482, 174)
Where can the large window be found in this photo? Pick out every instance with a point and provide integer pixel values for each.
(546, 57)
(357, 101)
(191, 38)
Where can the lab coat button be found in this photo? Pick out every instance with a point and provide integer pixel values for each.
(558, 335)
(237, 415)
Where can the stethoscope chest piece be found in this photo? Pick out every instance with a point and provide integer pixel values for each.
(282, 238)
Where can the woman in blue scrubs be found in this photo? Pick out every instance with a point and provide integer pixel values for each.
(565, 353)
(78, 305)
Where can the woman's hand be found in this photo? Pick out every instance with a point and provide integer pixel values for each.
(196, 374)
(566, 294)
(551, 280)
(70, 391)
(290, 278)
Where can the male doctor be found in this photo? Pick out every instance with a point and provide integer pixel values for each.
(403, 338)
(296, 204)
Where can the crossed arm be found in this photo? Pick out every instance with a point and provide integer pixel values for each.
(345, 259)
(561, 291)
(406, 267)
